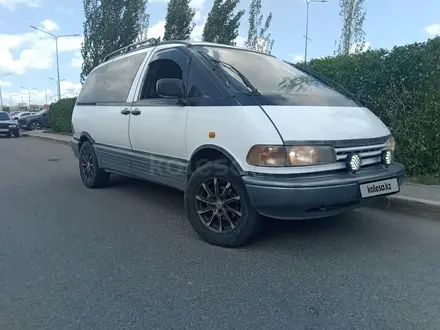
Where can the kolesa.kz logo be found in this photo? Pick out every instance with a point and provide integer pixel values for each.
(383, 187)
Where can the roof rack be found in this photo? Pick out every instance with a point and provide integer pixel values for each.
(130, 48)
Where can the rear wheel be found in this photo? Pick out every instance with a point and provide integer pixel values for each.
(218, 206)
(91, 174)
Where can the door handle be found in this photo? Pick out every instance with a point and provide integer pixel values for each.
(126, 111)
(136, 112)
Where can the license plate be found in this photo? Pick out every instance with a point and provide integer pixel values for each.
(378, 188)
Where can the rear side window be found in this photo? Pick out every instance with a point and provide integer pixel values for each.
(111, 82)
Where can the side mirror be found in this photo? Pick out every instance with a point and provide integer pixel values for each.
(170, 88)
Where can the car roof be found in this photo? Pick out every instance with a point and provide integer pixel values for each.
(152, 43)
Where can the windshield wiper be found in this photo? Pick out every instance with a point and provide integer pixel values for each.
(246, 81)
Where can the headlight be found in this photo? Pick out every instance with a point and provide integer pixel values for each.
(291, 155)
(12, 126)
(267, 156)
(390, 144)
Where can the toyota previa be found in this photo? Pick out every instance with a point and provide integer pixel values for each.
(244, 135)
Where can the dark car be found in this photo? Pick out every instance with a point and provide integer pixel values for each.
(36, 121)
(8, 126)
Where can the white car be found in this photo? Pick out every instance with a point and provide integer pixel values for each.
(242, 133)
(21, 115)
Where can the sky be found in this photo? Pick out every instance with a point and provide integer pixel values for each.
(29, 55)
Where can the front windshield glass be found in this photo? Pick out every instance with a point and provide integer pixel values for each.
(4, 116)
(39, 112)
(271, 76)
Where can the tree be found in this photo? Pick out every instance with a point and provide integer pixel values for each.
(109, 26)
(353, 14)
(178, 24)
(258, 39)
(222, 23)
(144, 23)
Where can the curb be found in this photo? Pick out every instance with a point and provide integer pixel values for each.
(47, 138)
(409, 205)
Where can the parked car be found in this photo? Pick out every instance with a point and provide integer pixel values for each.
(242, 133)
(8, 126)
(35, 121)
(13, 113)
(20, 115)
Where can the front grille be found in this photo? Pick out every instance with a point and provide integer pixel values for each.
(369, 154)
(4, 125)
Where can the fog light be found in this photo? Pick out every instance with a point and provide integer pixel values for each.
(354, 162)
(387, 157)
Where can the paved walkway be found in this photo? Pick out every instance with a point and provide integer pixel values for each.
(48, 136)
(422, 191)
(413, 198)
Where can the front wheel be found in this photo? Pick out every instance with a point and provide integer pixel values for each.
(91, 174)
(34, 125)
(218, 206)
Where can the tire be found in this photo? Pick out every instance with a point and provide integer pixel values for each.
(96, 177)
(34, 126)
(243, 230)
(17, 134)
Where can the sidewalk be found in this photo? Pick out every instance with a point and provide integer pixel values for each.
(61, 138)
(417, 199)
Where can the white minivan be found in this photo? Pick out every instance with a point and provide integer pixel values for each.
(243, 134)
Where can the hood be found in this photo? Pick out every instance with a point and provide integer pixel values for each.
(9, 122)
(306, 123)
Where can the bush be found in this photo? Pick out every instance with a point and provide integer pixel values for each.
(60, 115)
(402, 87)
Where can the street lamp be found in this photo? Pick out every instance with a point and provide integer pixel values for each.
(58, 84)
(29, 91)
(56, 50)
(10, 98)
(307, 26)
(1, 97)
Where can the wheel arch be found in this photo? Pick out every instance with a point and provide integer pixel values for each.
(211, 152)
(83, 137)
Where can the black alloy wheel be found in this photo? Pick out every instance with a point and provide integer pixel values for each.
(218, 206)
(87, 164)
(91, 174)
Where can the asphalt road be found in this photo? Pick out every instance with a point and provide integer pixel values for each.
(125, 257)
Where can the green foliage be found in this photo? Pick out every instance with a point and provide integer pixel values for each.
(109, 26)
(178, 24)
(353, 15)
(60, 115)
(402, 87)
(222, 23)
(258, 39)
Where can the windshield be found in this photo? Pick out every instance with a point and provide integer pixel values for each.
(39, 112)
(4, 116)
(271, 76)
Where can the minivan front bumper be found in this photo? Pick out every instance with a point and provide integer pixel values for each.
(315, 195)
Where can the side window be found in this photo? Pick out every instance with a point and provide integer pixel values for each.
(167, 63)
(112, 81)
(199, 84)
